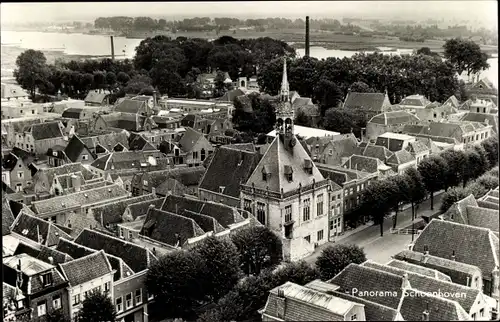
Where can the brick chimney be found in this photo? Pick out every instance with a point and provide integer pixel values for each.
(307, 37)
(76, 183)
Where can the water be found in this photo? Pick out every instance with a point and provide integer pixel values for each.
(81, 44)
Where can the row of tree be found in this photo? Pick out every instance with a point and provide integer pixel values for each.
(477, 188)
(451, 168)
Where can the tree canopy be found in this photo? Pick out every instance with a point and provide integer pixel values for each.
(97, 307)
(465, 55)
(335, 258)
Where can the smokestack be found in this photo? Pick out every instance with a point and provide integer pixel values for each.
(112, 48)
(307, 36)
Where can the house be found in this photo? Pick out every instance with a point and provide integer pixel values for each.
(293, 302)
(468, 212)
(85, 275)
(389, 122)
(133, 218)
(130, 295)
(136, 142)
(308, 132)
(453, 102)
(119, 162)
(72, 210)
(82, 113)
(42, 285)
(44, 177)
(369, 103)
(369, 165)
(462, 243)
(96, 98)
(483, 89)
(195, 147)
(7, 216)
(435, 112)
(36, 231)
(334, 151)
(13, 91)
(158, 182)
(484, 118)
(106, 143)
(406, 266)
(38, 138)
(77, 152)
(118, 121)
(413, 103)
(21, 108)
(216, 185)
(352, 182)
(17, 167)
(14, 309)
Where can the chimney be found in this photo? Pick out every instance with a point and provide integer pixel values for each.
(425, 316)
(453, 256)
(281, 304)
(112, 48)
(405, 283)
(495, 282)
(307, 36)
(76, 182)
(51, 260)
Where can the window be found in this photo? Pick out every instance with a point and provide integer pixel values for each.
(138, 296)
(331, 224)
(308, 238)
(351, 191)
(435, 115)
(357, 188)
(481, 312)
(19, 187)
(307, 209)
(261, 213)
(145, 182)
(330, 152)
(474, 316)
(42, 308)
(47, 279)
(247, 205)
(320, 235)
(288, 213)
(203, 154)
(32, 111)
(21, 111)
(128, 301)
(346, 192)
(354, 317)
(56, 302)
(264, 176)
(107, 287)
(119, 304)
(20, 174)
(121, 232)
(85, 157)
(129, 234)
(319, 206)
(195, 155)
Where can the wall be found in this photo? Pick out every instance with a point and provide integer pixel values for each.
(127, 285)
(432, 115)
(217, 197)
(41, 146)
(201, 144)
(15, 180)
(61, 291)
(88, 287)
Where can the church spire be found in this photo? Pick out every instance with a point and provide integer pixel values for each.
(285, 88)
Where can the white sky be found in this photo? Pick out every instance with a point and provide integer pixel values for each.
(484, 10)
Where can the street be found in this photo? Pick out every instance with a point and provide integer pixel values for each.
(380, 249)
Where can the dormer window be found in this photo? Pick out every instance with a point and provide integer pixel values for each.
(308, 166)
(289, 173)
(47, 279)
(266, 173)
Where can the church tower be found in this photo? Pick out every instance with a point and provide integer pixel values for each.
(284, 113)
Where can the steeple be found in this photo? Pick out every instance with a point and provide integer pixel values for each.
(285, 88)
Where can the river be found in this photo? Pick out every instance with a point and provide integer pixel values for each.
(13, 42)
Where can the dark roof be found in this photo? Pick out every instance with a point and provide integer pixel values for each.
(111, 213)
(47, 130)
(72, 112)
(7, 216)
(376, 151)
(401, 157)
(362, 163)
(108, 141)
(87, 268)
(30, 226)
(10, 161)
(440, 309)
(137, 257)
(74, 148)
(373, 311)
(370, 281)
(394, 118)
(471, 245)
(368, 101)
(138, 142)
(47, 254)
(6, 188)
(206, 223)
(95, 97)
(189, 139)
(128, 160)
(419, 270)
(229, 168)
(131, 106)
(169, 228)
(229, 96)
(249, 147)
(225, 215)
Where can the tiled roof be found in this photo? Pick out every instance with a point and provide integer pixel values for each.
(128, 160)
(460, 273)
(78, 199)
(111, 213)
(483, 217)
(11, 160)
(63, 169)
(206, 223)
(458, 211)
(394, 118)
(74, 148)
(377, 151)
(453, 101)
(108, 141)
(341, 175)
(305, 304)
(95, 97)
(189, 139)
(276, 158)
(432, 285)
(401, 157)
(87, 268)
(65, 179)
(471, 245)
(225, 215)
(136, 257)
(368, 101)
(188, 176)
(492, 119)
(419, 270)
(229, 96)
(30, 227)
(169, 228)
(141, 208)
(373, 311)
(417, 147)
(415, 100)
(47, 130)
(131, 106)
(362, 163)
(7, 216)
(47, 254)
(370, 281)
(229, 168)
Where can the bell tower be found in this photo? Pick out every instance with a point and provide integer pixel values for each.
(284, 114)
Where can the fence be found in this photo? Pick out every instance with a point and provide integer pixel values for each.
(402, 231)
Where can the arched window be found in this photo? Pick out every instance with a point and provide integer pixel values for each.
(242, 83)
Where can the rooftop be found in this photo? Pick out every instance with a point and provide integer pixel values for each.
(29, 265)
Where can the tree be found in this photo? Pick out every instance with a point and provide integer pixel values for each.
(474, 166)
(99, 79)
(327, 95)
(302, 119)
(335, 258)
(122, 78)
(465, 55)
(296, 272)
(376, 201)
(451, 196)
(56, 316)
(97, 307)
(111, 79)
(417, 190)
(488, 181)
(455, 167)
(360, 87)
(401, 194)
(222, 266)
(432, 169)
(219, 84)
(426, 51)
(177, 282)
(32, 70)
(139, 85)
(490, 145)
(344, 121)
(258, 248)
(484, 162)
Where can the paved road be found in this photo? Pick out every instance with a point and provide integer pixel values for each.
(379, 248)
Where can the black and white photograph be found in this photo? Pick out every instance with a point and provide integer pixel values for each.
(243, 161)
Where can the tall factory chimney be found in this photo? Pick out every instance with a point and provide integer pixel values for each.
(307, 36)
(112, 48)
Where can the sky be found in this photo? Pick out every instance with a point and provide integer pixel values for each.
(484, 10)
